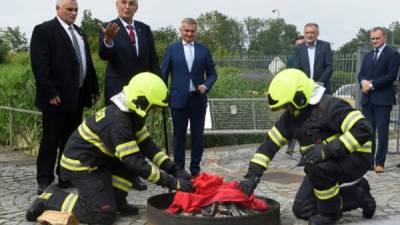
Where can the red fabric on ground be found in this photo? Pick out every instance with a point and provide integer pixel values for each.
(209, 189)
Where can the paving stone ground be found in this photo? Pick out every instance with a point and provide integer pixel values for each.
(18, 187)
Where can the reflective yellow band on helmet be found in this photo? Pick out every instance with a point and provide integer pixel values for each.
(69, 203)
(327, 194)
(125, 149)
(121, 183)
(350, 120)
(154, 175)
(75, 165)
(92, 138)
(142, 134)
(45, 195)
(366, 148)
(349, 141)
(261, 160)
(159, 158)
(277, 137)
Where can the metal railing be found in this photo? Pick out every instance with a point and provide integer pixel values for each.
(252, 115)
(11, 111)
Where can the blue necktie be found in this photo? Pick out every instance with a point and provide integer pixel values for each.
(78, 54)
(189, 62)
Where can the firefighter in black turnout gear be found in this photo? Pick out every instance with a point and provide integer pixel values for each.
(335, 140)
(103, 154)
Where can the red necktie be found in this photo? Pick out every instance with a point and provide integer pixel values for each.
(131, 34)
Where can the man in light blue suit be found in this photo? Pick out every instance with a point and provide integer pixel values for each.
(193, 74)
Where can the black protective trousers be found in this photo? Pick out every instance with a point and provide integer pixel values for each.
(97, 197)
(326, 174)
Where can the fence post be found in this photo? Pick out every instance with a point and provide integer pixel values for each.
(11, 129)
(254, 114)
(361, 50)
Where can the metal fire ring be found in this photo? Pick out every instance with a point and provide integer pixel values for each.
(156, 214)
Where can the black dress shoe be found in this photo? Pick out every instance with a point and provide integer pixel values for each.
(398, 165)
(128, 210)
(41, 188)
(37, 208)
(138, 184)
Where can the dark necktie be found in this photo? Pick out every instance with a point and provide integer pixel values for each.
(78, 54)
(375, 58)
(131, 34)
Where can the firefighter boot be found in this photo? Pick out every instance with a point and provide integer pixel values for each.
(319, 219)
(37, 208)
(367, 202)
(127, 209)
(123, 207)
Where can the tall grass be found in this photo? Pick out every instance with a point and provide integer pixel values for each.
(17, 89)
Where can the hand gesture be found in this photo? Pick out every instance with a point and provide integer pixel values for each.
(110, 31)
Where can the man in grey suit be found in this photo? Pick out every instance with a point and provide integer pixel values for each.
(314, 57)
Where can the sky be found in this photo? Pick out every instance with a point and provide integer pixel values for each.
(339, 20)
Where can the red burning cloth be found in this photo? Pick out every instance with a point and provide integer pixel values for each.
(209, 189)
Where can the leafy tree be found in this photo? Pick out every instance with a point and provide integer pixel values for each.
(361, 38)
(15, 39)
(253, 27)
(275, 39)
(219, 31)
(394, 34)
(91, 28)
(163, 37)
(4, 49)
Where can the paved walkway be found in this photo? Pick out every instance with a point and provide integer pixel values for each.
(18, 187)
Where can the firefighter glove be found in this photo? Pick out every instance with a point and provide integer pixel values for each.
(248, 185)
(180, 184)
(316, 153)
(182, 173)
(184, 185)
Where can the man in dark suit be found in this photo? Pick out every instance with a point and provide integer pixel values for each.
(378, 72)
(66, 82)
(314, 57)
(188, 61)
(128, 46)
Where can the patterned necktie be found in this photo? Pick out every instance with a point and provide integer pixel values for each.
(375, 58)
(78, 54)
(131, 35)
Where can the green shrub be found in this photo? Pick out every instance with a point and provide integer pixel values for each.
(18, 90)
(340, 78)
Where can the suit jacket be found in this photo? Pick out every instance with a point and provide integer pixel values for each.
(56, 69)
(323, 63)
(123, 63)
(175, 63)
(382, 74)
